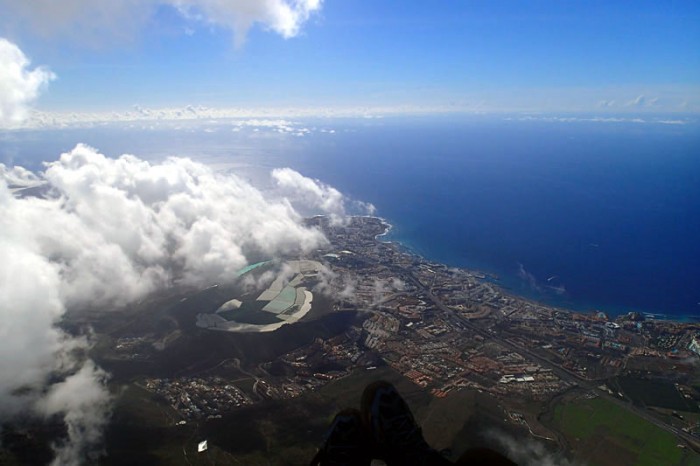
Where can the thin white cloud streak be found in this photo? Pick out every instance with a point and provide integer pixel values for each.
(19, 85)
(603, 119)
(108, 233)
(96, 22)
(262, 117)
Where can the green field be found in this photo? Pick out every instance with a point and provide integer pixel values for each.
(601, 432)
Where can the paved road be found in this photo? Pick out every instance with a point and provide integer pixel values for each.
(561, 372)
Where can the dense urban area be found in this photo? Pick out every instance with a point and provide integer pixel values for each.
(448, 329)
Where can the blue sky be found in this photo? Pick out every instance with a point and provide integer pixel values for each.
(598, 56)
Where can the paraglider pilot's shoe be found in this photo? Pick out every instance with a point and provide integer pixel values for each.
(397, 438)
(346, 442)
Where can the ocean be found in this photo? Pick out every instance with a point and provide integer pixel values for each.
(576, 213)
(585, 215)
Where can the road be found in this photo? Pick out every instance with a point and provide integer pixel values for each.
(561, 372)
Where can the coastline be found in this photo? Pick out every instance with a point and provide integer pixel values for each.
(487, 275)
(387, 228)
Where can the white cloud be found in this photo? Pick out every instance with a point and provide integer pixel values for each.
(338, 285)
(282, 16)
(606, 103)
(385, 288)
(637, 101)
(642, 101)
(314, 194)
(311, 192)
(108, 233)
(31, 304)
(84, 403)
(19, 85)
(32, 347)
(18, 176)
(96, 21)
(528, 452)
(277, 125)
(181, 214)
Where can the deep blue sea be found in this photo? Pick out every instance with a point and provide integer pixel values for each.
(585, 215)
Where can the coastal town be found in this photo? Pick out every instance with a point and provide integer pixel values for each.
(448, 329)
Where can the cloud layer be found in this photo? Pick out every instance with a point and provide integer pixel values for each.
(108, 233)
(19, 85)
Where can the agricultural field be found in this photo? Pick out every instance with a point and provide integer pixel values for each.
(602, 433)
